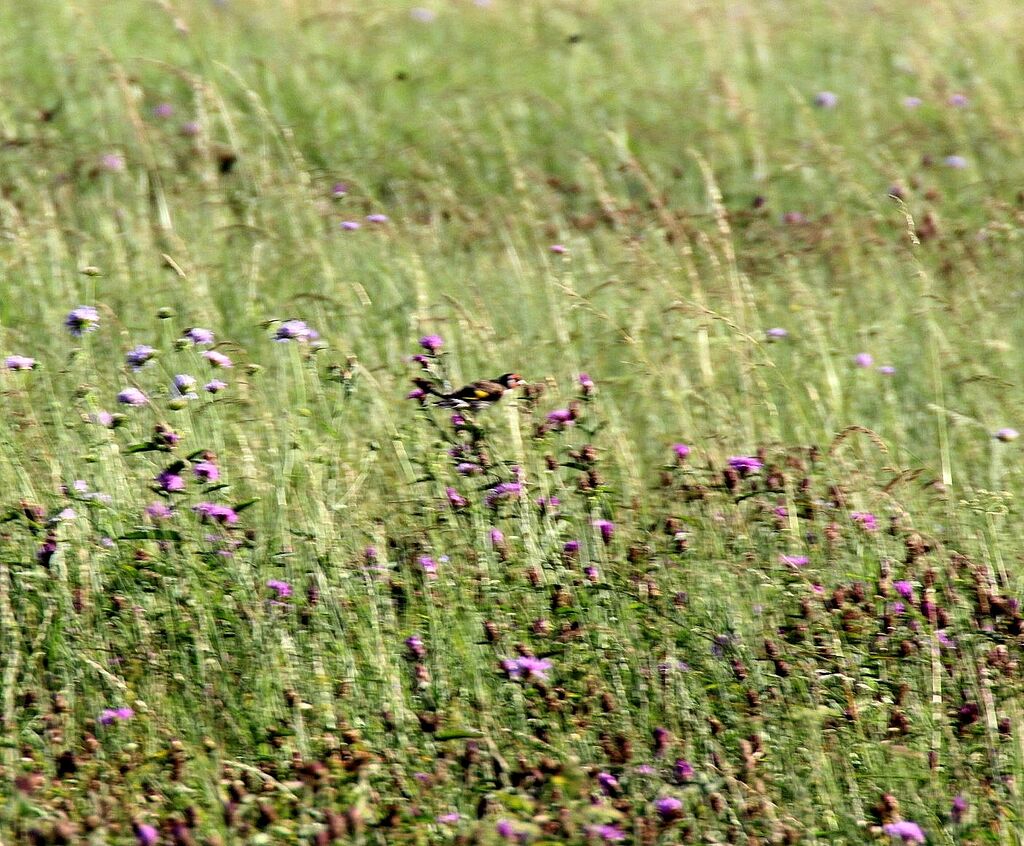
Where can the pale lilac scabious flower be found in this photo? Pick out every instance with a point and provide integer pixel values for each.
(163, 110)
(201, 337)
(182, 385)
(908, 832)
(339, 189)
(81, 320)
(217, 359)
(867, 520)
(137, 358)
(887, 370)
(794, 560)
(295, 330)
(912, 102)
(826, 100)
(282, 589)
(114, 162)
(863, 359)
(559, 249)
(214, 386)
(206, 471)
(958, 100)
(776, 333)
(955, 162)
(132, 396)
(1006, 435)
(112, 715)
(349, 225)
(377, 218)
(19, 362)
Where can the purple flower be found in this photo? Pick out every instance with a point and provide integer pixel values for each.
(145, 835)
(215, 512)
(527, 667)
(958, 100)
(1006, 435)
(282, 589)
(776, 333)
(826, 100)
(911, 102)
(559, 249)
(794, 218)
(349, 225)
(295, 330)
(169, 482)
(137, 358)
(591, 573)
(904, 589)
(606, 528)
(47, 549)
(429, 566)
(571, 548)
(908, 832)
(190, 128)
(114, 162)
(81, 320)
(502, 492)
(214, 386)
(432, 343)
(945, 640)
(956, 163)
(19, 362)
(794, 560)
(668, 807)
(414, 643)
(745, 464)
(587, 384)
(217, 359)
(684, 770)
(505, 829)
(561, 418)
(339, 189)
(867, 520)
(549, 503)
(607, 833)
(455, 499)
(112, 715)
(497, 537)
(608, 783)
(468, 468)
(182, 385)
(958, 809)
(201, 337)
(449, 819)
(887, 370)
(132, 396)
(159, 511)
(163, 110)
(863, 359)
(681, 451)
(416, 394)
(376, 218)
(206, 471)
(897, 608)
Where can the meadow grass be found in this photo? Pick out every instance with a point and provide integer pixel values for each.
(381, 625)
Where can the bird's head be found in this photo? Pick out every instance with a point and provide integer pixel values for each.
(510, 381)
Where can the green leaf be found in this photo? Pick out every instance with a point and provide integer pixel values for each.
(152, 534)
(459, 734)
(249, 503)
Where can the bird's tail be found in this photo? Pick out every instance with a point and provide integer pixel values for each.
(428, 387)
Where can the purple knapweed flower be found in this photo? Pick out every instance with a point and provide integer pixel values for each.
(497, 537)
(215, 512)
(112, 715)
(571, 548)
(468, 468)
(887, 370)
(1006, 435)
(904, 589)
(668, 807)
(794, 560)
(908, 832)
(47, 549)
(955, 162)
(644, 770)
(449, 819)
(794, 218)
(206, 471)
(559, 249)
(863, 360)
(958, 809)
(114, 162)
(501, 492)
(607, 833)
(945, 640)
(897, 608)
(282, 589)
(608, 783)
(217, 359)
(867, 520)
(826, 100)
(339, 189)
(376, 218)
(560, 418)
(606, 528)
(429, 566)
(349, 225)
(684, 770)
(912, 102)
(776, 333)
(190, 128)
(432, 343)
(19, 362)
(745, 464)
(132, 396)
(137, 358)
(505, 829)
(295, 330)
(527, 667)
(214, 386)
(586, 384)
(681, 451)
(163, 110)
(455, 499)
(145, 835)
(81, 320)
(159, 511)
(169, 482)
(200, 337)
(591, 573)
(414, 643)
(416, 394)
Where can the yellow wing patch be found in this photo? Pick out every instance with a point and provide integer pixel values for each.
(480, 393)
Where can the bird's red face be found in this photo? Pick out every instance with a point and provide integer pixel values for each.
(511, 380)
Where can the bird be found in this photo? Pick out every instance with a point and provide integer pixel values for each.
(475, 396)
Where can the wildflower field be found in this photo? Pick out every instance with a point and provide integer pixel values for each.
(733, 553)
